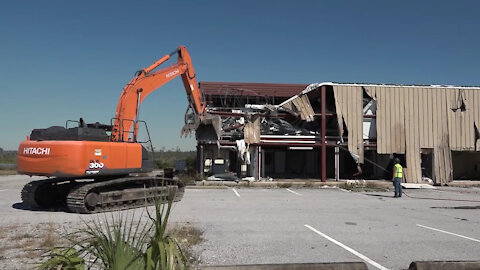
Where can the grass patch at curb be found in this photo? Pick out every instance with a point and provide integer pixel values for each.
(284, 185)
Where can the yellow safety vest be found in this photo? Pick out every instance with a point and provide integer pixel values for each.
(398, 170)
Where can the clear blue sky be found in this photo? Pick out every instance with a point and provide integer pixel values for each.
(63, 60)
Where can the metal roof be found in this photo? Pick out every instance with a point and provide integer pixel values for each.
(251, 89)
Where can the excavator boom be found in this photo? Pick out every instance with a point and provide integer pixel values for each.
(148, 80)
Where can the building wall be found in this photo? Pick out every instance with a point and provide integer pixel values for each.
(409, 121)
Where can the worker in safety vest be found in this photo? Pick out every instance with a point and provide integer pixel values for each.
(397, 177)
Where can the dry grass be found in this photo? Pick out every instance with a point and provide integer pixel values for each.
(3, 249)
(284, 185)
(50, 237)
(187, 236)
(34, 254)
(21, 236)
(309, 184)
(26, 243)
(8, 172)
(25, 246)
(363, 187)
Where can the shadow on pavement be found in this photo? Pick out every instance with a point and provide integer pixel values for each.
(23, 206)
(381, 196)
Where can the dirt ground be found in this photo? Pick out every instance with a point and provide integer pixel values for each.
(22, 245)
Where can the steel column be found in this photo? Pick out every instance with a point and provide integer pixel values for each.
(337, 163)
(201, 162)
(323, 166)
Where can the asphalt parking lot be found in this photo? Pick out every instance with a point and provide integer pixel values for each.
(309, 225)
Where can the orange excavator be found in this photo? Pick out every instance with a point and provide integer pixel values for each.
(95, 167)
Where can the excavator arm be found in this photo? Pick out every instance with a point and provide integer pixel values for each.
(148, 80)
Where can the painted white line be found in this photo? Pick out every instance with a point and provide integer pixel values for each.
(296, 193)
(236, 192)
(3, 190)
(344, 190)
(351, 250)
(459, 235)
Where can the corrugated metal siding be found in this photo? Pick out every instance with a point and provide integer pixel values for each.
(251, 89)
(349, 106)
(411, 118)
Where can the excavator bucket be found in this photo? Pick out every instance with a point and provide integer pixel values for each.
(209, 128)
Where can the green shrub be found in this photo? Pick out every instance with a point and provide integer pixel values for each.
(122, 243)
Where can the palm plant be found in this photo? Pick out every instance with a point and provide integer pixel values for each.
(123, 243)
(163, 251)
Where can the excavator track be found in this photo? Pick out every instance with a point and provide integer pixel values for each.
(46, 193)
(122, 193)
(101, 196)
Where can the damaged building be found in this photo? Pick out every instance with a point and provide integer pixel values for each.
(340, 131)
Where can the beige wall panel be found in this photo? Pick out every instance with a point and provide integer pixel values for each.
(388, 120)
(383, 112)
(288, 106)
(422, 117)
(460, 131)
(347, 112)
(447, 165)
(400, 130)
(447, 155)
(463, 126)
(338, 94)
(356, 120)
(451, 103)
(371, 91)
(456, 141)
(438, 120)
(359, 122)
(468, 122)
(394, 127)
(415, 151)
(298, 107)
(430, 117)
(426, 119)
(471, 120)
(417, 116)
(413, 146)
(350, 108)
(411, 120)
(310, 114)
(439, 154)
(459, 126)
(402, 120)
(380, 120)
(477, 114)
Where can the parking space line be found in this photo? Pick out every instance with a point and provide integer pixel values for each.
(296, 193)
(349, 249)
(442, 231)
(236, 192)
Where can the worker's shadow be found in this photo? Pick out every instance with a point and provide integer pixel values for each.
(379, 195)
(23, 206)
